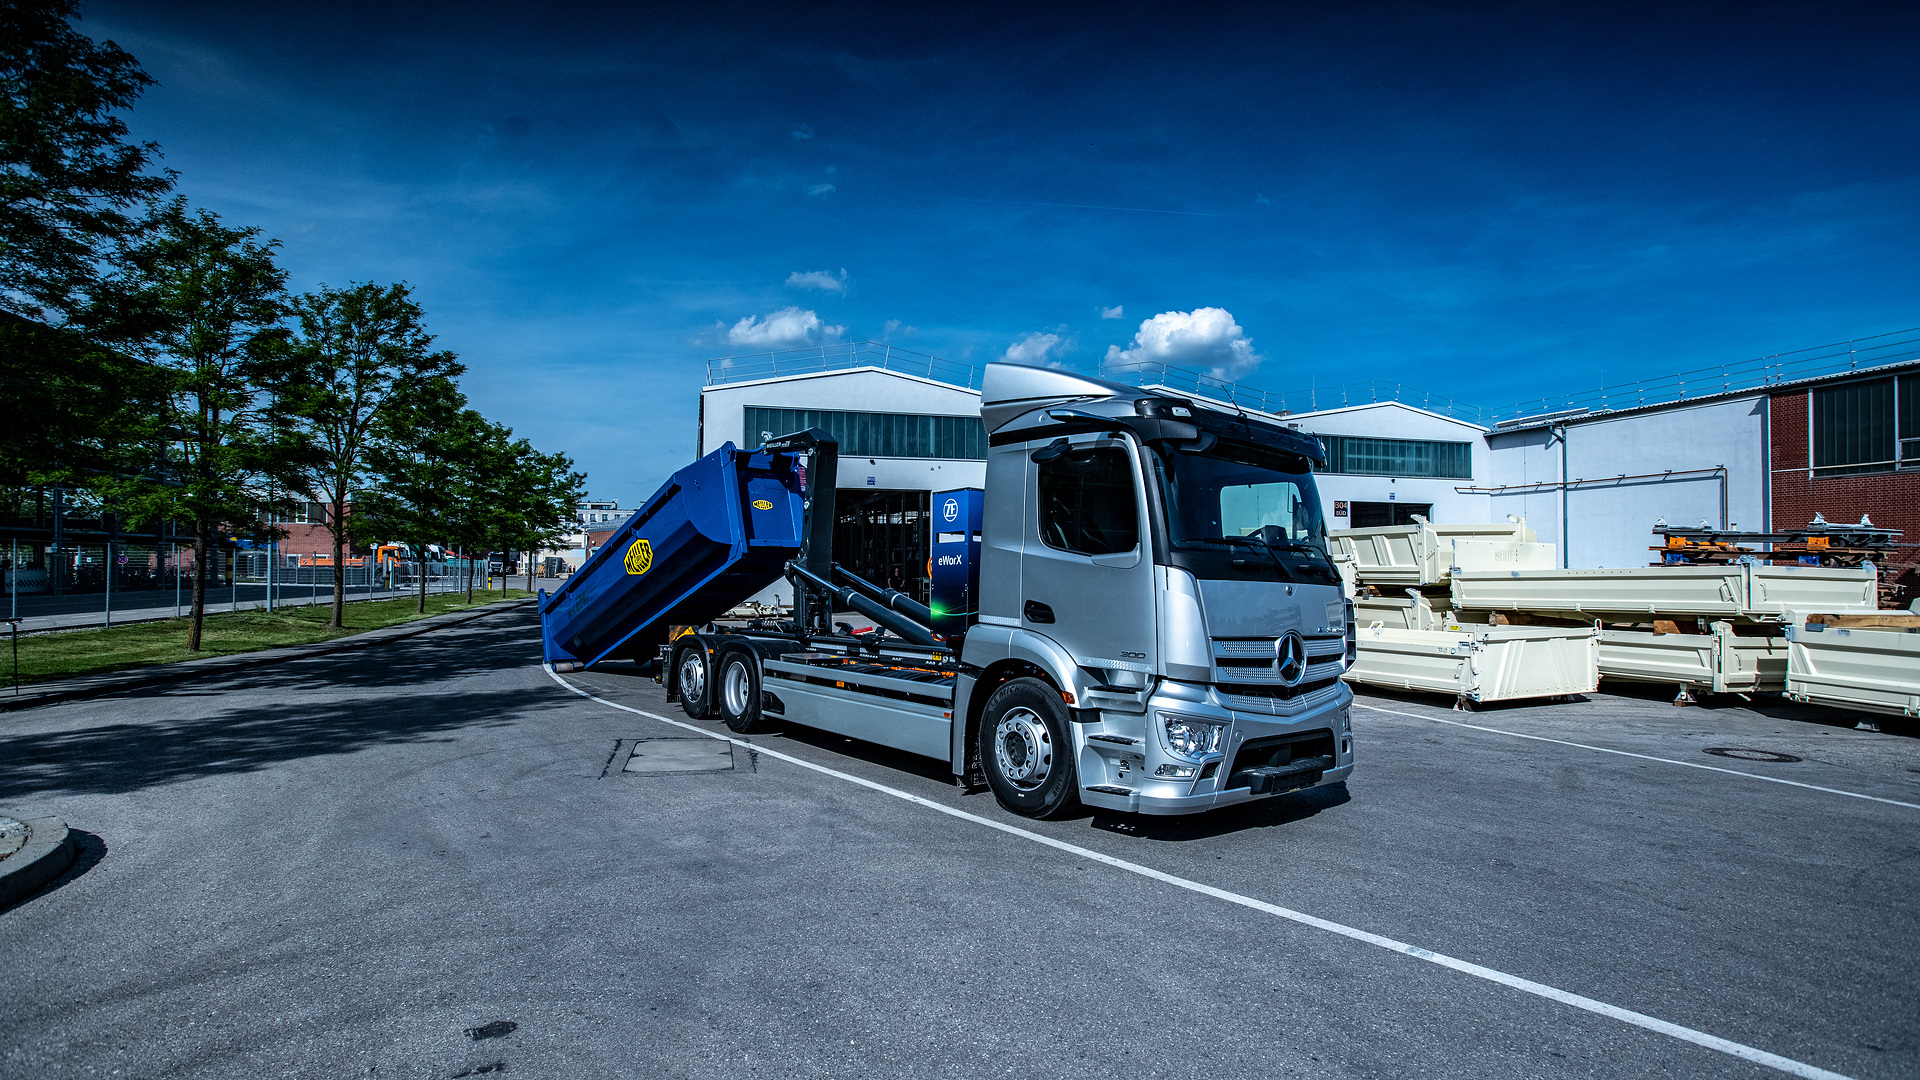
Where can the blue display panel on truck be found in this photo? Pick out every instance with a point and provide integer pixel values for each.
(955, 560)
(718, 531)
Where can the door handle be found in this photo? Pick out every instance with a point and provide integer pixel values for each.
(1038, 612)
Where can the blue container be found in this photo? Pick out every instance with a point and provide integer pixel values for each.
(955, 560)
(718, 531)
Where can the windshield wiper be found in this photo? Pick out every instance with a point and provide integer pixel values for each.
(1253, 541)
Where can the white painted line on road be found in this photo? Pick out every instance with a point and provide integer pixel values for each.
(1643, 757)
(1551, 993)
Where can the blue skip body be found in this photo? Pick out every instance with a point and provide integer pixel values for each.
(717, 532)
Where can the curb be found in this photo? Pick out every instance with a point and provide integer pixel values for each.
(115, 682)
(48, 852)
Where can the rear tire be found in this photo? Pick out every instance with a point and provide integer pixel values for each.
(1026, 750)
(737, 692)
(691, 679)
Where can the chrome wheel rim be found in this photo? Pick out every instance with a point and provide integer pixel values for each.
(734, 686)
(693, 676)
(1023, 749)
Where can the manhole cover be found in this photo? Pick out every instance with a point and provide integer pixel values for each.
(679, 756)
(1749, 755)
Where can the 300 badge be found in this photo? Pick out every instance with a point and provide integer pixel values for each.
(640, 557)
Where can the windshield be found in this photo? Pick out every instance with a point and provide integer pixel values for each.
(1255, 507)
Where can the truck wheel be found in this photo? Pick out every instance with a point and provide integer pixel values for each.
(690, 680)
(1026, 751)
(738, 692)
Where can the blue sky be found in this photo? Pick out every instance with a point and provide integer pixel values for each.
(1489, 201)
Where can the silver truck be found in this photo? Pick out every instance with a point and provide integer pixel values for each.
(1153, 624)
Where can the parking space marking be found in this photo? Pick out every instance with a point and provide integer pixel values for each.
(1542, 990)
(1643, 757)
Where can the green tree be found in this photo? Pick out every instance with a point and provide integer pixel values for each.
(544, 493)
(356, 353)
(66, 404)
(480, 453)
(412, 470)
(202, 304)
(71, 186)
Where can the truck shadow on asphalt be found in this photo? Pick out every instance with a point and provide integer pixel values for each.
(1263, 814)
(281, 724)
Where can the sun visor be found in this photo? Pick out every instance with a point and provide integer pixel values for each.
(1009, 391)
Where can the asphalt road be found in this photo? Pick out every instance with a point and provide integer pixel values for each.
(425, 860)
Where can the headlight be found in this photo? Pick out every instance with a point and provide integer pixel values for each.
(1191, 738)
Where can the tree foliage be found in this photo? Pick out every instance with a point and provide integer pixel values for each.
(411, 496)
(355, 355)
(71, 185)
(202, 304)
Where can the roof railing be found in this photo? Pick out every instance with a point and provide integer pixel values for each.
(1856, 355)
(840, 357)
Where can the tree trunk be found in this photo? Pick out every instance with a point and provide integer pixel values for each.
(529, 573)
(339, 531)
(423, 579)
(469, 579)
(197, 611)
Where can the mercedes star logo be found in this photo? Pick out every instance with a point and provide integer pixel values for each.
(1291, 655)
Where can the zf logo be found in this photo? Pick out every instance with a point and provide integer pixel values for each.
(951, 511)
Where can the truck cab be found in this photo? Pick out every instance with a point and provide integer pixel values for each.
(1160, 626)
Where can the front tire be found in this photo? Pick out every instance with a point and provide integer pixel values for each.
(737, 692)
(690, 680)
(1026, 750)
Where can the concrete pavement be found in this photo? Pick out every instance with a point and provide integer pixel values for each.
(442, 862)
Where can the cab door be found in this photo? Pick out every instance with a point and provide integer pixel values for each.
(1087, 573)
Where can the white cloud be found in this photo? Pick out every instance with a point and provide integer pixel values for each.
(1114, 312)
(895, 326)
(822, 189)
(804, 131)
(1036, 349)
(824, 280)
(784, 329)
(1202, 338)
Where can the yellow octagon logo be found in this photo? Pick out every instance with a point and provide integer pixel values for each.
(640, 557)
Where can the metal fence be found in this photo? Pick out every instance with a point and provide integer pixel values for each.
(78, 585)
(1758, 373)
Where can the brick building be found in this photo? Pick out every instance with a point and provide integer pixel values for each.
(1848, 445)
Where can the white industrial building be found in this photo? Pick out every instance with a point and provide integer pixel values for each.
(1596, 485)
(1594, 481)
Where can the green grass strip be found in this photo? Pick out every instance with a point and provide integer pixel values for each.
(65, 654)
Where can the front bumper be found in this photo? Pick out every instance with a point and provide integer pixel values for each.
(1122, 778)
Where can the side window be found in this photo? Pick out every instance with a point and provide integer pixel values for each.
(1087, 504)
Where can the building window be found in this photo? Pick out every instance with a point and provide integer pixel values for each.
(1907, 421)
(1870, 426)
(1359, 456)
(1086, 502)
(304, 513)
(1379, 515)
(866, 434)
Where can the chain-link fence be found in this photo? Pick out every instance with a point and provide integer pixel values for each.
(77, 584)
